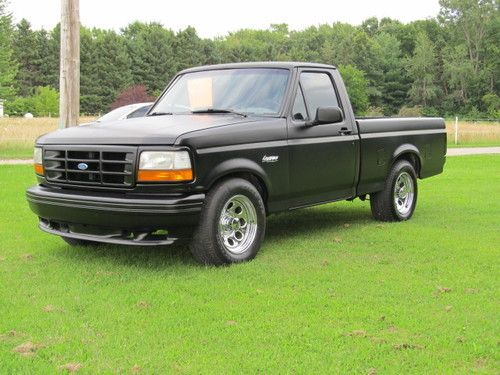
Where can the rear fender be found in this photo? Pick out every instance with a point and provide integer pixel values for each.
(407, 149)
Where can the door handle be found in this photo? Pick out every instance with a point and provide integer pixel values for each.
(345, 131)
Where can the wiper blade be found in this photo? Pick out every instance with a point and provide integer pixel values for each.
(218, 110)
(160, 114)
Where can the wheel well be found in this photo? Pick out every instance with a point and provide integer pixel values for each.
(412, 158)
(253, 179)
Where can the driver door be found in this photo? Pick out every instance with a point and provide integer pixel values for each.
(322, 157)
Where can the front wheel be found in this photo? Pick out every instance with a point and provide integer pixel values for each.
(398, 199)
(232, 224)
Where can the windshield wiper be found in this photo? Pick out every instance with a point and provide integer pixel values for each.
(160, 114)
(218, 110)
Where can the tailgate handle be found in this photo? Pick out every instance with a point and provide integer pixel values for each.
(345, 131)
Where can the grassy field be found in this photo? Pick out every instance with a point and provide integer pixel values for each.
(332, 291)
(17, 135)
(473, 134)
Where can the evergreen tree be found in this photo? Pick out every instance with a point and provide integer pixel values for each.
(49, 47)
(189, 49)
(394, 83)
(8, 67)
(150, 47)
(105, 68)
(90, 102)
(26, 50)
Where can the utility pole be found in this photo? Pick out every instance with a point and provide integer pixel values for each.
(69, 79)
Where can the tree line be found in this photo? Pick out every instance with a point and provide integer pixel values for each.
(443, 66)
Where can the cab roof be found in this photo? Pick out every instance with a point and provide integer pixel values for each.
(269, 64)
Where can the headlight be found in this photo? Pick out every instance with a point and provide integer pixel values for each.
(165, 166)
(38, 160)
(37, 155)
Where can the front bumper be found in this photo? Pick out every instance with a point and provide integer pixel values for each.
(112, 217)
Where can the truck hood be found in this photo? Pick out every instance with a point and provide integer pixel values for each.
(140, 131)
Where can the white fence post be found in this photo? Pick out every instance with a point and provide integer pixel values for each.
(456, 130)
(1, 108)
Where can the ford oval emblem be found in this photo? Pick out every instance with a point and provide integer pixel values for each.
(83, 166)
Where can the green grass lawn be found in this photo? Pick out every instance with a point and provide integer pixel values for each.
(15, 151)
(332, 291)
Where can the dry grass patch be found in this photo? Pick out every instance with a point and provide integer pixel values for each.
(27, 349)
(17, 135)
(474, 132)
(18, 129)
(71, 367)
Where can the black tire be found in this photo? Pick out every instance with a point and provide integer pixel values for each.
(77, 242)
(385, 204)
(211, 243)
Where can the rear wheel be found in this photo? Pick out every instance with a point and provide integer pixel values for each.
(232, 224)
(398, 200)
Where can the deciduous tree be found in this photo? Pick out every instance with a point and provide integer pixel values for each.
(422, 69)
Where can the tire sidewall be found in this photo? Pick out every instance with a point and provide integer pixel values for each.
(403, 166)
(222, 194)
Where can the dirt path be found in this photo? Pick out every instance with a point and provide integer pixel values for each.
(473, 151)
(16, 161)
(451, 152)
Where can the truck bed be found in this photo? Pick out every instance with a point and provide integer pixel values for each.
(382, 139)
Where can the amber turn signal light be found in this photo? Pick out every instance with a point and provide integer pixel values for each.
(39, 169)
(165, 175)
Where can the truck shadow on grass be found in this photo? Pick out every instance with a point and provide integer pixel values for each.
(307, 222)
(315, 220)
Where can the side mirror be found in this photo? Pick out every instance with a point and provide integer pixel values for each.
(326, 115)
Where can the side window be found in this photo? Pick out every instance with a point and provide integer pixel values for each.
(299, 111)
(318, 91)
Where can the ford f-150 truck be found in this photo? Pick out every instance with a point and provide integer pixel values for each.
(223, 147)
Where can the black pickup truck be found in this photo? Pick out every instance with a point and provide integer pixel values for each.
(223, 147)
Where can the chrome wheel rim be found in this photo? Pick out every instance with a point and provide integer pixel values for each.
(238, 224)
(404, 192)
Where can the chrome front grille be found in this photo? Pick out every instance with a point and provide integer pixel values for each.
(82, 165)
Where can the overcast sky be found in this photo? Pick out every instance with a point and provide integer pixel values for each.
(218, 17)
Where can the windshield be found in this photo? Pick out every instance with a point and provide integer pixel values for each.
(248, 91)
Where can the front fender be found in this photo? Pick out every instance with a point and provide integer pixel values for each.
(237, 165)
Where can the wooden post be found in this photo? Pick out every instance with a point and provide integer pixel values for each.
(456, 130)
(69, 79)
